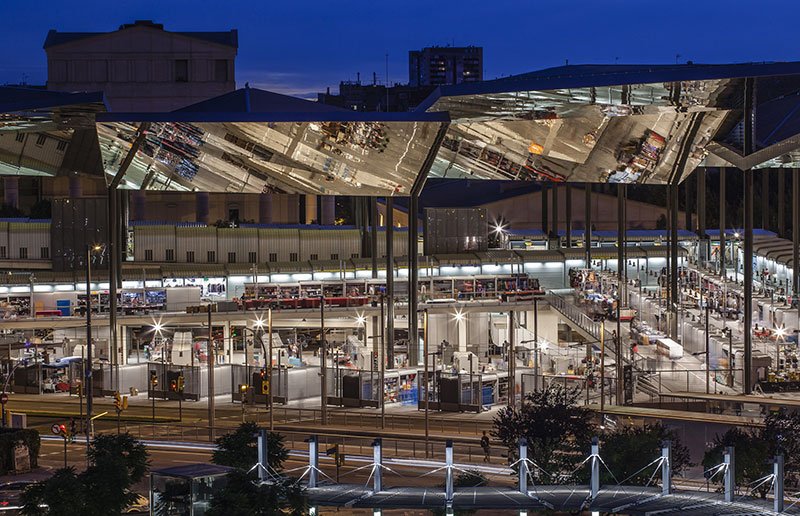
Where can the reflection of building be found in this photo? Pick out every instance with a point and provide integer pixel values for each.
(433, 66)
(141, 66)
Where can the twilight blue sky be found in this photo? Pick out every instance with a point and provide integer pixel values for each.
(300, 47)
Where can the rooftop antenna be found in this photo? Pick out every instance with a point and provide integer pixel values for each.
(677, 58)
(566, 62)
(387, 82)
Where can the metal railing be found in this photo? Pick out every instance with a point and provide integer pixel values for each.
(575, 314)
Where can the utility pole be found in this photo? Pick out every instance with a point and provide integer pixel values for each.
(211, 391)
(322, 361)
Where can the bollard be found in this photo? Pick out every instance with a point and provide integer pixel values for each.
(263, 460)
(729, 480)
(313, 461)
(666, 467)
(523, 466)
(377, 466)
(595, 486)
(448, 457)
(777, 470)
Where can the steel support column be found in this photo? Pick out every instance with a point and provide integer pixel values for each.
(701, 213)
(390, 282)
(795, 232)
(620, 288)
(413, 281)
(587, 223)
(782, 203)
(722, 203)
(373, 234)
(673, 260)
(765, 198)
(568, 213)
(748, 281)
(554, 209)
(748, 240)
(413, 238)
(115, 248)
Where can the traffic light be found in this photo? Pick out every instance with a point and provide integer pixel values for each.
(63, 430)
(173, 386)
(117, 401)
(265, 386)
(153, 379)
(181, 383)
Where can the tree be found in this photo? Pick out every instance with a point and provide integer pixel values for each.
(116, 464)
(751, 454)
(239, 449)
(558, 431)
(628, 450)
(782, 434)
(63, 494)
(243, 497)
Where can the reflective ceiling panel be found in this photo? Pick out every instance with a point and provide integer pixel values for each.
(37, 127)
(320, 157)
(609, 124)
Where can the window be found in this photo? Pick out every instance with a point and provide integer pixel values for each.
(231, 257)
(354, 255)
(251, 257)
(189, 256)
(211, 257)
(23, 253)
(334, 256)
(181, 70)
(62, 145)
(314, 256)
(221, 70)
(273, 257)
(40, 140)
(3, 252)
(148, 255)
(292, 257)
(169, 255)
(44, 253)
(20, 137)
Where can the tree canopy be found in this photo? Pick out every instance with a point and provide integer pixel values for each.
(557, 429)
(239, 449)
(116, 464)
(630, 449)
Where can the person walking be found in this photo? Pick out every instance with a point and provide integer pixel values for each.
(485, 446)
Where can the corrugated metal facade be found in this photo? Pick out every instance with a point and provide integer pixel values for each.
(330, 244)
(151, 243)
(237, 245)
(27, 239)
(279, 244)
(400, 243)
(199, 241)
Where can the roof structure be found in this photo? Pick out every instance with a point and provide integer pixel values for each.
(61, 116)
(56, 38)
(257, 141)
(650, 124)
(615, 123)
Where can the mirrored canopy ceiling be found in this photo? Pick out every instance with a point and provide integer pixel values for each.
(37, 128)
(291, 146)
(608, 124)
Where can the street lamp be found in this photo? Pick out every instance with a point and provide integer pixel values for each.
(88, 364)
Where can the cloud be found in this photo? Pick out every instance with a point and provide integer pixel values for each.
(301, 85)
